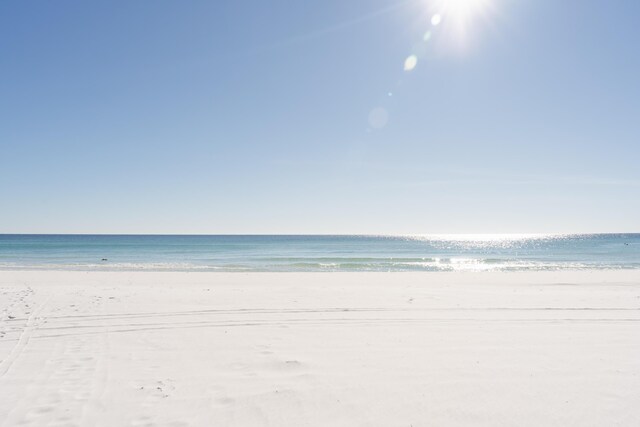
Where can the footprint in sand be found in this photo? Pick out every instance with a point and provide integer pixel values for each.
(225, 401)
(287, 365)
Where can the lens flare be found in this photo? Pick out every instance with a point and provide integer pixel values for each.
(410, 63)
(378, 118)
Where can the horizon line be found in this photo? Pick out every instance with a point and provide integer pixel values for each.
(329, 234)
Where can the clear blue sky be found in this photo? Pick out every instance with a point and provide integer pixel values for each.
(267, 117)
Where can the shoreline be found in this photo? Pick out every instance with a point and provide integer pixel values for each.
(543, 276)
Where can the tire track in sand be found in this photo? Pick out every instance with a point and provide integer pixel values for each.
(33, 322)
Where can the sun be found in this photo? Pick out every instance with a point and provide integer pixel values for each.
(457, 17)
(461, 10)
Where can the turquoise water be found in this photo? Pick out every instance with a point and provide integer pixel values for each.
(320, 253)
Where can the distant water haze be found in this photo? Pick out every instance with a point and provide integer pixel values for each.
(244, 253)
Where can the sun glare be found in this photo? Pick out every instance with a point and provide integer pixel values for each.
(458, 16)
(461, 9)
(445, 23)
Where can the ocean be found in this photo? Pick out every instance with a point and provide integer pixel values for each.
(245, 253)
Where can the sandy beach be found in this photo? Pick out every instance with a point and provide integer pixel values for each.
(319, 349)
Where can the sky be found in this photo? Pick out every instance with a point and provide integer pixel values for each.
(333, 116)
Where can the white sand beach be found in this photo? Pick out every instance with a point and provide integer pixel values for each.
(319, 349)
